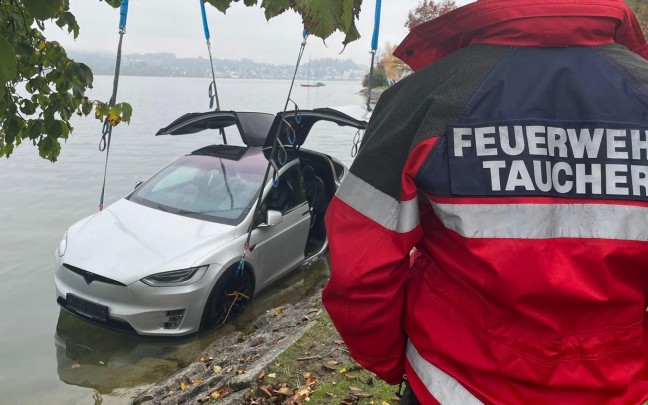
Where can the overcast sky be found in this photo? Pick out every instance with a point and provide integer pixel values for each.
(175, 26)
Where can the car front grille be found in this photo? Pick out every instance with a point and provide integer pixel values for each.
(90, 277)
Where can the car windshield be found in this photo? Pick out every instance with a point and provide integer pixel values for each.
(205, 187)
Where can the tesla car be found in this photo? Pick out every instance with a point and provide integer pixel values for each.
(172, 257)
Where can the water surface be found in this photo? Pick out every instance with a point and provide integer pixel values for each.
(47, 356)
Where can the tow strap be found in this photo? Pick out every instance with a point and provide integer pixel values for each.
(106, 133)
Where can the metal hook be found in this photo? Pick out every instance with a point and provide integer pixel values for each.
(104, 131)
(356, 144)
(291, 136)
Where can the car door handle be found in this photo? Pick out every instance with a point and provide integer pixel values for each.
(306, 212)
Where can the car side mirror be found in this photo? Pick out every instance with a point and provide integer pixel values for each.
(274, 218)
(139, 183)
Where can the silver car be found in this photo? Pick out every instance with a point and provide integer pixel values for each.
(172, 257)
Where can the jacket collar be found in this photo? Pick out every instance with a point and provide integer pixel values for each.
(552, 23)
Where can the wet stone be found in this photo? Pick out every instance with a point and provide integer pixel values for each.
(238, 358)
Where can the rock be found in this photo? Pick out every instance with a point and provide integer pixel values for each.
(238, 358)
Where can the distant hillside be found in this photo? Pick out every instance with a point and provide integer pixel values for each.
(167, 64)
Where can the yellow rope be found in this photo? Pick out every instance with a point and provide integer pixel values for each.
(236, 296)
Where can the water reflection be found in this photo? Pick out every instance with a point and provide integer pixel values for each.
(94, 357)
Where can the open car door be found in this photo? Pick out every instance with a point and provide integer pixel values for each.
(252, 126)
(292, 127)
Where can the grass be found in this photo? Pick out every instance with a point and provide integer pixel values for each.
(319, 370)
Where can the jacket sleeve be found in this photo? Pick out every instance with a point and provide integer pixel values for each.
(371, 234)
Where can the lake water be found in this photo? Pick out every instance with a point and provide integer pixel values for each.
(49, 357)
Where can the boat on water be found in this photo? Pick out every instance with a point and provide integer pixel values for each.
(318, 84)
(308, 83)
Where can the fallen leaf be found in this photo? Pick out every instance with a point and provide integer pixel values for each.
(228, 370)
(217, 368)
(303, 392)
(202, 359)
(215, 395)
(272, 375)
(183, 386)
(285, 391)
(261, 375)
(278, 311)
(343, 370)
(197, 380)
(355, 389)
(384, 403)
(76, 365)
(332, 395)
(266, 390)
(332, 363)
(311, 381)
(240, 371)
(310, 311)
(307, 375)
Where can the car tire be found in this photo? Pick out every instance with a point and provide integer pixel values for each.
(221, 306)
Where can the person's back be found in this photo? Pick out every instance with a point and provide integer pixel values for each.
(518, 167)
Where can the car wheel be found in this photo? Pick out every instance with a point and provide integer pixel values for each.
(229, 297)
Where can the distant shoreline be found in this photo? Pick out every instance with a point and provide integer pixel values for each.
(297, 81)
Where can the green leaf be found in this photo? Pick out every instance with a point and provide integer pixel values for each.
(103, 108)
(274, 8)
(351, 35)
(321, 18)
(221, 5)
(44, 9)
(34, 129)
(127, 112)
(86, 73)
(8, 66)
(114, 3)
(49, 148)
(53, 129)
(27, 107)
(86, 106)
(67, 18)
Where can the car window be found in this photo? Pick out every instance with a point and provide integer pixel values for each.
(205, 187)
(288, 191)
(182, 174)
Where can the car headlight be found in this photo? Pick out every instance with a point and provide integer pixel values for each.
(62, 245)
(176, 277)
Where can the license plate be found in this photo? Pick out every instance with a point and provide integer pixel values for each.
(87, 308)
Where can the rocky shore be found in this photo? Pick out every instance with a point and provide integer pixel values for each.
(227, 369)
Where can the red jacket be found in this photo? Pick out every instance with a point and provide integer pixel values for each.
(515, 162)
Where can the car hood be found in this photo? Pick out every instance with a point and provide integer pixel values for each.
(128, 241)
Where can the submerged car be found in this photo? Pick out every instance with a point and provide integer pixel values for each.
(171, 258)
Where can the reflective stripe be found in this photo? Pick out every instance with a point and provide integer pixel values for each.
(542, 221)
(379, 207)
(443, 387)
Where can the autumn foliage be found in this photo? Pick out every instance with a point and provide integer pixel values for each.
(428, 10)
